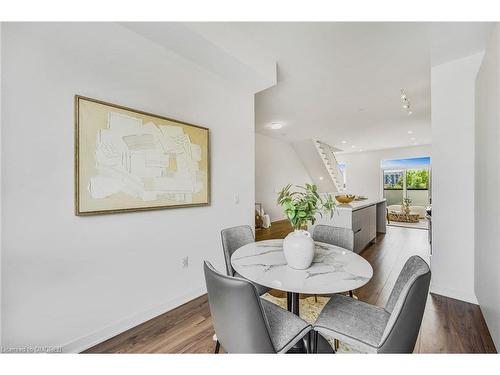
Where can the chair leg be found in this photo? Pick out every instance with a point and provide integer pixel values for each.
(289, 301)
(309, 345)
(336, 344)
(217, 347)
(351, 294)
(316, 298)
(314, 348)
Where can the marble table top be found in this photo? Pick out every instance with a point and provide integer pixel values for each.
(334, 269)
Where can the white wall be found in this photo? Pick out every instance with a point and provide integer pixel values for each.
(1, 277)
(276, 165)
(363, 168)
(452, 86)
(487, 180)
(73, 281)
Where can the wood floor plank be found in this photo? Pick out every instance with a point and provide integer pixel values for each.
(448, 326)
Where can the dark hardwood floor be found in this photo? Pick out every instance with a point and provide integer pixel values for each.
(448, 326)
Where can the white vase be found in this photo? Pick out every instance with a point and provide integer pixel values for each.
(298, 248)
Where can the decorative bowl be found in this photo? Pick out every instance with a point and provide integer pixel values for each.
(345, 199)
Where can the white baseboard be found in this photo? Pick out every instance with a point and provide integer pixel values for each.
(453, 293)
(114, 329)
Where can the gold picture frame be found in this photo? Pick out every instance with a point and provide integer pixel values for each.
(130, 160)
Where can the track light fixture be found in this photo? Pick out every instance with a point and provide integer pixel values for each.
(405, 102)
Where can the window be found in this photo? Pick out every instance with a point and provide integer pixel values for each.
(407, 178)
(417, 179)
(393, 180)
(417, 186)
(342, 168)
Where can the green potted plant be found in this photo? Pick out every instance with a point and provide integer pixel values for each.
(301, 207)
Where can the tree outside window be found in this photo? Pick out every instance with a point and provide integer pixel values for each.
(417, 179)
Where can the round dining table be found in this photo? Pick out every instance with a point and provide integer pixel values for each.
(333, 270)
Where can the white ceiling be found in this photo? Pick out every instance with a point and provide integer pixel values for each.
(452, 40)
(335, 81)
(342, 81)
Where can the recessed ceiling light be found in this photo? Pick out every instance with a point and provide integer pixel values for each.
(360, 150)
(321, 177)
(276, 125)
(353, 146)
(410, 131)
(409, 113)
(344, 142)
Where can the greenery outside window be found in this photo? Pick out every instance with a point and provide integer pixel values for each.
(417, 179)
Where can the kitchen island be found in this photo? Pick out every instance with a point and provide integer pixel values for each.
(365, 218)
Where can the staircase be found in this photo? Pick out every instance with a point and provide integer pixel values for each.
(321, 164)
(328, 156)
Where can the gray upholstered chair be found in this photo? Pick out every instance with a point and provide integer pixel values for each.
(393, 329)
(246, 323)
(342, 237)
(232, 240)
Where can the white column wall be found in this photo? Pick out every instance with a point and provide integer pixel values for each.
(452, 86)
(487, 179)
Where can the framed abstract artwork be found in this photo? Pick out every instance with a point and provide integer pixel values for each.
(130, 160)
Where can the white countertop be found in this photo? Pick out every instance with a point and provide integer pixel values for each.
(357, 205)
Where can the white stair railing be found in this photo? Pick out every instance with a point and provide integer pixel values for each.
(327, 154)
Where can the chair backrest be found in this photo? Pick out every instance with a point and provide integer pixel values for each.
(342, 237)
(232, 240)
(237, 314)
(406, 305)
